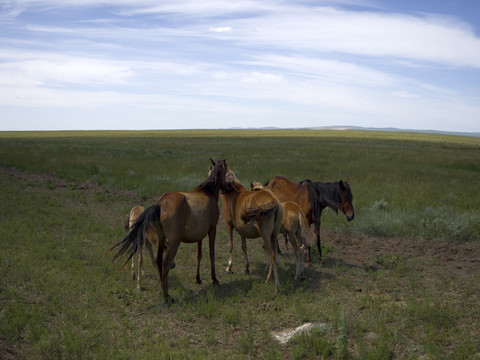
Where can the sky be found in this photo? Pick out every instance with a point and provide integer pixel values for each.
(191, 64)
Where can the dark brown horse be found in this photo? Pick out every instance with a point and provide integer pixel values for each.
(313, 197)
(186, 216)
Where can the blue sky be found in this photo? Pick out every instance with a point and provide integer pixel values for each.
(186, 64)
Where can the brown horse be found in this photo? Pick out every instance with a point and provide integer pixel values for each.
(186, 216)
(152, 239)
(313, 197)
(253, 214)
(296, 229)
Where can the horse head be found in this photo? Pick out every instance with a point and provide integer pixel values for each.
(229, 179)
(219, 170)
(346, 200)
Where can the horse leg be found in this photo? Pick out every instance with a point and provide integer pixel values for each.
(167, 262)
(160, 250)
(132, 271)
(317, 236)
(301, 251)
(230, 248)
(302, 266)
(271, 243)
(274, 240)
(319, 245)
(245, 255)
(140, 266)
(293, 240)
(148, 245)
(211, 246)
(199, 257)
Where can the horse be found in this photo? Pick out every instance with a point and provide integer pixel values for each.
(313, 198)
(151, 237)
(295, 227)
(180, 216)
(253, 214)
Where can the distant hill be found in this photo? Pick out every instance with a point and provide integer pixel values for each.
(346, 127)
(391, 129)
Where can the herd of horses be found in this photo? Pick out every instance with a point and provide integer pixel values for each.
(264, 211)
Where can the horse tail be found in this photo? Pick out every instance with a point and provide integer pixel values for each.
(305, 231)
(254, 214)
(137, 236)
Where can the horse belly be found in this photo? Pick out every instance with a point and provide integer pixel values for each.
(195, 232)
(198, 225)
(248, 231)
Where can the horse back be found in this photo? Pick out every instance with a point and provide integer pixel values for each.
(287, 190)
(187, 215)
(283, 188)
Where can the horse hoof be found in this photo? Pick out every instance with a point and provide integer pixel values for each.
(215, 282)
(247, 271)
(198, 281)
(228, 271)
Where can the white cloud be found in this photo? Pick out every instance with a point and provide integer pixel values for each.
(431, 39)
(261, 78)
(62, 70)
(221, 29)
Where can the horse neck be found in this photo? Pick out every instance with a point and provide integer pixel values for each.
(330, 194)
(210, 187)
(230, 197)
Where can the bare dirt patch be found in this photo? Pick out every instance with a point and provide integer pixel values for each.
(363, 251)
(62, 183)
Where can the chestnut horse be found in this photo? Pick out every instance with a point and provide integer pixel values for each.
(313, 197)
(253, 214)
(186, 216)
(296, 228)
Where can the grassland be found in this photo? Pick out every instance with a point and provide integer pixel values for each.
(400, 281)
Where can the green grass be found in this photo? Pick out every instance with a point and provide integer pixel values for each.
(60, 296)
(404, 184)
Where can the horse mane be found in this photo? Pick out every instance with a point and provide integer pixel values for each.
(210, 184)
(330, 193)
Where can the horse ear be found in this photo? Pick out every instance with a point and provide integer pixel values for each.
(251, 186)
(213, 162)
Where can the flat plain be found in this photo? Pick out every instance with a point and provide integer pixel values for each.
(401, 281)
